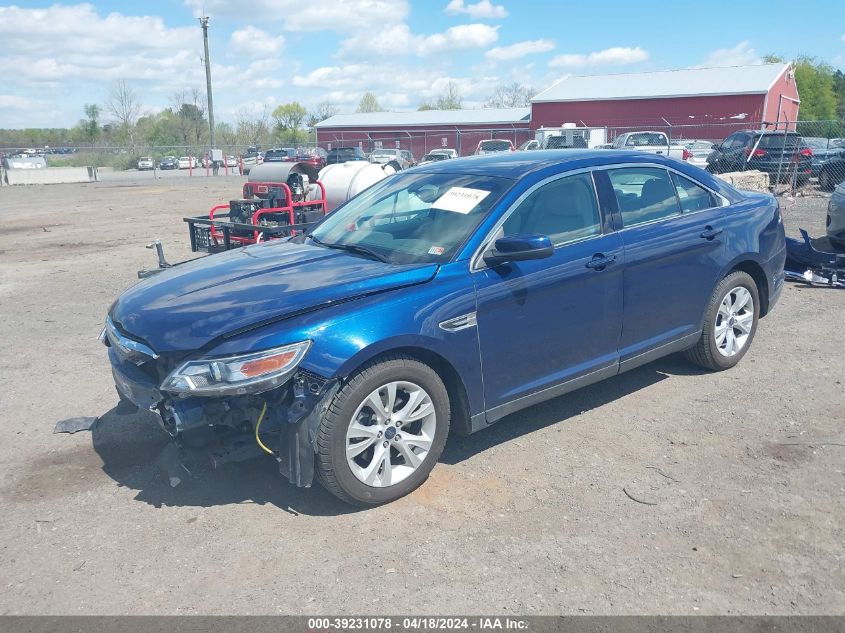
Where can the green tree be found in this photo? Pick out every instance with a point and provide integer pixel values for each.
(288, 119)
(368, 103)
(91, 123)
(816, 89)
(425, 105)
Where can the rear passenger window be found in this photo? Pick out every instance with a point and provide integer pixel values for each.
(644, 194)
(564, 209)
(692, 196)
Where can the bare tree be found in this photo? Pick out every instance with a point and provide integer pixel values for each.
(253, 128)
(124, 105)
(513, 95)
(323, 111)
(451, 98)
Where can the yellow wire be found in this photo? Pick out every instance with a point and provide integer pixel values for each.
(258, 426)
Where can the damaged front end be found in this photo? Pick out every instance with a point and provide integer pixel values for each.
(224, 409)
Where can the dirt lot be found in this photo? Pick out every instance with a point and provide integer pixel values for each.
(744, 468)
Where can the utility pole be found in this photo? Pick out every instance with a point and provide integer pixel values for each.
(204, 24)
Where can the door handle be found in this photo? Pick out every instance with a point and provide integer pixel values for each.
(600, 262)
(709, 233)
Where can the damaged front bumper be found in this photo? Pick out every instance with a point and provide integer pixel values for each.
(208, 432)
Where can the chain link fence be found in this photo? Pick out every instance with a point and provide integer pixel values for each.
(796, 155)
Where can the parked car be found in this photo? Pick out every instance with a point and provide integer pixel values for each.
(493, 146)
(146, 163)
(403, 158)
(231, 161)
(187, 162)
(432, 158)
(252, 158)
(699, 151)
(344, 155)
(832, 172)
(779, 154)
(314, 156)
(446, 151)
(824, 150)
(445, 297)
(561, 141)
(279, 155)
(169, 162)
(653, 142)
(530, 145)
(836, 217)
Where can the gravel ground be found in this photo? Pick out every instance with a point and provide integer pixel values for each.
(744, 468)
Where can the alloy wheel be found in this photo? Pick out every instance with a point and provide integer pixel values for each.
(734, 321)
(390, 434)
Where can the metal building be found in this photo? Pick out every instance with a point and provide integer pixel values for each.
(424, 130)
(694, 103)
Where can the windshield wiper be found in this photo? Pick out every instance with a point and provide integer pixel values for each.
(352, 248)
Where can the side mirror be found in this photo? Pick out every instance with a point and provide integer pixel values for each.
(517, 248)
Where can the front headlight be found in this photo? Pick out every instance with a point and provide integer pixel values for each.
(236, 375)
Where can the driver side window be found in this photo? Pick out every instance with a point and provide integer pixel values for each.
(565, 209)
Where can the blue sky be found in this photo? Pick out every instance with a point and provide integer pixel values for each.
(54, 57)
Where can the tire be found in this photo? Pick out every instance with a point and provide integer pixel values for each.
(372, 476)
(825, 182)
(713, 351)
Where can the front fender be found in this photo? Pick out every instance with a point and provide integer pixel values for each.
(348, 335)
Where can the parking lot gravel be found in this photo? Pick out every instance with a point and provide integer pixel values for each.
(667, 490)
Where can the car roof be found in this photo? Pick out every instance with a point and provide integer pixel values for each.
(518, 164)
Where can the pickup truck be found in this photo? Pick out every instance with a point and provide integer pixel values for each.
(652, 142)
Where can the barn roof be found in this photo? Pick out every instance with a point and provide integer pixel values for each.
(689, 82)
(482, 116)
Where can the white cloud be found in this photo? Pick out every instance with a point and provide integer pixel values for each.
(343, 85)
(457, 38)
(15, 102)
(398, 41)
(72, 42)
(395, 41)
(740, 55)
(615, 56)
(254, 42)
(484, 9)
(519, 50)
(311, 15)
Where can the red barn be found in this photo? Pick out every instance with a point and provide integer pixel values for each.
(708, 103)
(424, 130)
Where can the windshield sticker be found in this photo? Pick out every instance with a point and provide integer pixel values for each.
(436, 250)
(460, 199)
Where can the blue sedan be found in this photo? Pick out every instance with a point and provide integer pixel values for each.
(445, 298)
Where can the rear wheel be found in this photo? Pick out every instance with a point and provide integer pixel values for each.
(729, 324)
(383, 432)
(825, 181)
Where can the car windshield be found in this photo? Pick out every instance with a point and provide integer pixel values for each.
(386, 152)
(435, 157)
(643, 139)
(412, 218)
(495, 146)
(774, 141)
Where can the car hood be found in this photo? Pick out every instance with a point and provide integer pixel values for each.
(188, 306)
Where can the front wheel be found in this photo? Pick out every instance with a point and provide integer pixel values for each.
(383, 432)
(729, 324)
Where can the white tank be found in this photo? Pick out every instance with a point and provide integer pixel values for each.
(345, 180)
